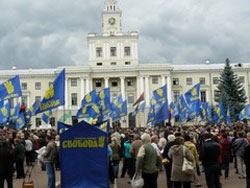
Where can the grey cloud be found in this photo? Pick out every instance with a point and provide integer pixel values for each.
(46, 34)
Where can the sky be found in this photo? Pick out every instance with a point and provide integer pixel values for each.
(52, 33)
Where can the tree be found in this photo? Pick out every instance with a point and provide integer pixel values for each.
(230, 92)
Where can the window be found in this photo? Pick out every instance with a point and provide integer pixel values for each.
(203, 96)
(38, 100)
(176, 95)
(52, 121)
(24, 86)
(216, 93)
(114, 83)
(175, 81)
(127, 51)
(130, 82)
(73, 82)
(154, 79)
(113, 63)
(99, 64)
(24, 100)
(74, 99)
(242, 79)
(113, 51)
(215, 80)
(38, 122)
(99, 52)
(131, 99)
(98, 83)
(202, 81)
(37, 85)
(189, 81)
(127, 63)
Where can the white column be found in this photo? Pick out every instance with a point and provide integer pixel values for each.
(28, 102)
(90, 84)
(87, 85)
(141, 84)
(66, 93)
(138, 86)
(163, 80)
(106, 80)
(147, 91)
(207, 96)
(122, 87)
(82, 87)
(169, 88)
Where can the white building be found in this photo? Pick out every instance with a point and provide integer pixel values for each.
(114, 63)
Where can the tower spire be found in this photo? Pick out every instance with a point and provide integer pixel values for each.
(111, 5)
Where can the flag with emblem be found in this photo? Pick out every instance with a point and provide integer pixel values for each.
(10, 89)
(55, 95)
(244, 113)
(228, 117)
(162, 113)
(32, 110)
(4, 113)
(193, 94)
(103, 101)
(20, 122)
(173, 110)
(46, 115)
(88, 110)
(14, 113)
(219, 113)
(116, 108)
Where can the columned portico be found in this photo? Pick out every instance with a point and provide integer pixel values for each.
(87, 86)
(169, 89)
(147, 90)
(106, 80)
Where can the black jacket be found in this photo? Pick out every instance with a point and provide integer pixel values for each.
(247, 160)
(209, 153)
(6, 161)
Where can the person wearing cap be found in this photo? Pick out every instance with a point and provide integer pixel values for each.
(148, 162)
(168, 165)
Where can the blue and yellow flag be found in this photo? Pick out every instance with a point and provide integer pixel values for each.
(14, 113)
(55, 95)
(228, 117)
(4, 113)
(32, 110)
(193, 94)
(46, 115)
(104, 126)
(90, 98)
(124, 110)
(219, 113)
(10, 89)
(88, 110)
(182, 108)
(194, 110)
(160, 94)
(116, 108)
(244, 113)
(20, 122)
(103, 100)
(162, 113)
(173, 110)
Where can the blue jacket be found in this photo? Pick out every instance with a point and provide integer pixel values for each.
(127, 146)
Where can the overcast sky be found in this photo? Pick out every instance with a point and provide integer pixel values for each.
(51, 33)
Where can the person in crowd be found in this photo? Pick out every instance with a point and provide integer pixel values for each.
(162, 142)
(111, 172)
(239, 146)
(226, 154)
(57, 162)
(191, 146)
(127, 165)
(154, 142)
(6, 164)
(28, 150)
(136, 144)
(115, 161)
(209, 154)
(148, 162)
(19, 153)
(168, 164)
(49, 160)
(247, 163)
(177, 154)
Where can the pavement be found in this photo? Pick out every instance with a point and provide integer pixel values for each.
(40, 180)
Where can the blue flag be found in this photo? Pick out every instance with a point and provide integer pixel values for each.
(104, 101)
(20, 122)
(136, 109)
(4, 113)
(55, 95)
(173, 110)
(116, 108)
(193, 94)
(194, 110)
(90, 98)
(10, 89)
(219, 113)
(14, 113)
(104, 126)
(151, 113)
(160, 94)
(182, 109)
(46, 115)
(32, 110)
(162, 113)
(88, 110)
(228, 118)
(244, 113)
(62, 127)
(142, 106)
(124, 110)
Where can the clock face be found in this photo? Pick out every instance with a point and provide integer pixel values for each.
(111, 21)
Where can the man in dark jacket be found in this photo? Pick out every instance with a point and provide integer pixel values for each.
(247, 163)
(209, 155)
(6, 165)
(19, 153)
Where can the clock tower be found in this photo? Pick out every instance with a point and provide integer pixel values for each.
(111, 18)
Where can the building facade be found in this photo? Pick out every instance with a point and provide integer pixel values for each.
(114, 63)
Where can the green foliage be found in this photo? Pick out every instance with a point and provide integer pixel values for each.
(230, 92)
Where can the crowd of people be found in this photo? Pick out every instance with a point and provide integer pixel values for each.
(141, 152)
